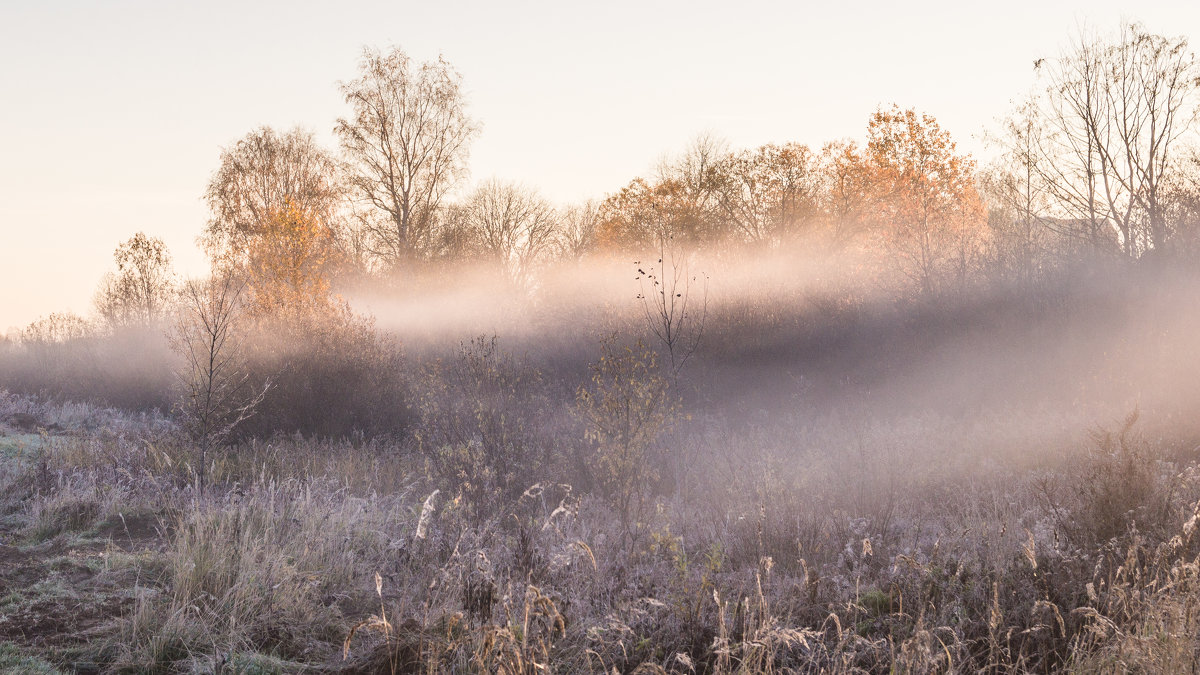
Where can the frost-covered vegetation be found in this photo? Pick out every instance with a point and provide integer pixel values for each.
(861, 409)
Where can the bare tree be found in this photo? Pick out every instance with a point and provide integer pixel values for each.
(1182, 198)
(407, 142)
(141, 288)
(1116, 108)
(1071, 108)
(690, 181)
(217, 393)
(513, 226)
(578, 229)
(1018, 196)
(57, 328)
(263, 174)
(697, 167)
(61, 346)
(672, 313)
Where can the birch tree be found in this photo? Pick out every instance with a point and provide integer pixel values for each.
(406, 141)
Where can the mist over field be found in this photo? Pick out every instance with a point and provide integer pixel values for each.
(876, 405)
(787, 338)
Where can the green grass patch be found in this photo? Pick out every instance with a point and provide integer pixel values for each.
(261, 664)
(13, 660)
(21, 446)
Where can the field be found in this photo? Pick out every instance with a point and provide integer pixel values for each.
(689, 340)
(1005, 481)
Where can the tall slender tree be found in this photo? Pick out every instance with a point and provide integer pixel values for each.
(1115, 108)
(406, 141)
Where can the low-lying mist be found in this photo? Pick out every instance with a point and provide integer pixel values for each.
(792, 341)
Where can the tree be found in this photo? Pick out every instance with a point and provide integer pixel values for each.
(61, 348)
(1071, 106)
(767, 192)
(680, 203)
(688, 186)
(578, 229)
(261, 175)
(672, 313)
(217, 396)
(642, 213)
(57, 328)
(407, 141)
(1182, 197)
(513, 226)
(847, 192)
(1019, 198)
(630, 217)
(289, 264)
(1116, 108)
(142, 287)
(451, 237)
(931, 214)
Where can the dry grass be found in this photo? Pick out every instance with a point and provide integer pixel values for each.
(781, 543)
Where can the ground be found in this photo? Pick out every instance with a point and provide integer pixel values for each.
(60, 596)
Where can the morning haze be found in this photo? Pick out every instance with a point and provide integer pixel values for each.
(398, 338)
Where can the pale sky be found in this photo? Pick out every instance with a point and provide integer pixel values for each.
(113, 114)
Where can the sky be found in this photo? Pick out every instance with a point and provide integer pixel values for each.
(113, 114)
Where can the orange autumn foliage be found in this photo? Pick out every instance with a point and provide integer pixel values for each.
(643, 213)
(288, 264)
(929, 215)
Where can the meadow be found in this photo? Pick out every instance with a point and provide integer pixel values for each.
(835, 480)
(868, 406)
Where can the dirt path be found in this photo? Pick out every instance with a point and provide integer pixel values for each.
(61, 599)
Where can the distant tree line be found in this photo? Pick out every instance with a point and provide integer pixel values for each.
(1099, 160)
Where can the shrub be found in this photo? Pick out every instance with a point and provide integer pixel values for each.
(1119, 488)
(626, 407)
(483, 423)
(332, 374)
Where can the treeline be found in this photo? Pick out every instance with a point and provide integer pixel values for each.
(1099, 162)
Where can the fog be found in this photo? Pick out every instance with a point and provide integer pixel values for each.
(819, 424)
(813, 354)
